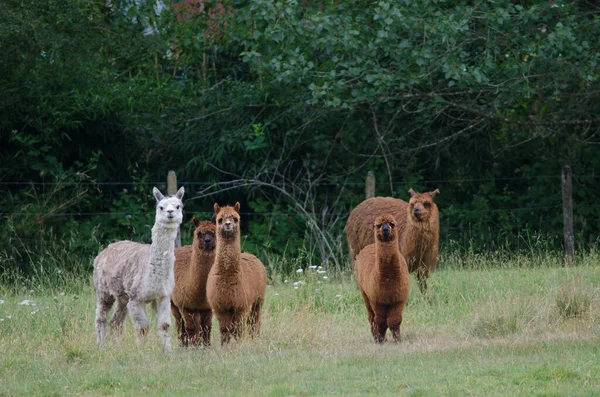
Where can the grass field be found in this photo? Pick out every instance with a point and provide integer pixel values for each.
(502, 330)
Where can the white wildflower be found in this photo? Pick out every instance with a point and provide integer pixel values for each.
(276, 293)
(321, 271)
(26, 302)
(1, 301)
(313, 267)
(338, 296)
(299, 271)
(295, 287)
(35, 311)
(325, 277)
(62, 294)
(9, 316)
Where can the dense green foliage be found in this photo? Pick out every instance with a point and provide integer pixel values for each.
(285, 106)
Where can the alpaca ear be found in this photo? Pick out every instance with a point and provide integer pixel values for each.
(179, 193)
(236, 207)
(217, 208)
(412, 192)
(436, 191)
(157, 194)
(195, 221)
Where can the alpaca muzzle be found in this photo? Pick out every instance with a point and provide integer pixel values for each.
(385, 231)
(417, 213)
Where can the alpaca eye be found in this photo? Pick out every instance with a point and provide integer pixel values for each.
(235, 220)
(178, 206)
(392, 225)
(220, 221)
(378, 226)
(426, 204)
(161, 208)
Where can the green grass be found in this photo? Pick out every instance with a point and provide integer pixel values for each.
(514, 330)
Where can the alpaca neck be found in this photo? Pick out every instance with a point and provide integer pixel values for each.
(228, 254)
(420, 231)
(387, 256)
(162, 251)
(198, 259)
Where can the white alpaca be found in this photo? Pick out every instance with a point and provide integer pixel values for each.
(135, 274)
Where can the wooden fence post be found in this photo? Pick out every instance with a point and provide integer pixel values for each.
(172, 189)
(370, 185)
(567, 200)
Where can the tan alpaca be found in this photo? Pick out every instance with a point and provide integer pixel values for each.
(189, 305)
(418, 229)
(383, 280)
(237, 281)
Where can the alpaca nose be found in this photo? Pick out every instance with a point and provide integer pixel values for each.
(385, 230)
(417, 212)
(228, 223)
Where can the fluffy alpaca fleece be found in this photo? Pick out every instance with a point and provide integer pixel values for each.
(134, 274)
(193, 316)
(418, 229)
(237, 281)
(382, 277)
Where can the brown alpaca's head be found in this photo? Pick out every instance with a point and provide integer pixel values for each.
(385, 228)
(228, 220)
(204, 234)
(421, 206)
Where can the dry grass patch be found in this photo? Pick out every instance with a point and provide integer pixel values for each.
(576, 299)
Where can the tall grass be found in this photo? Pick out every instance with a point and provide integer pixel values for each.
(528, 325)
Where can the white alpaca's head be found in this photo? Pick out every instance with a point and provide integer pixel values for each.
(169, 209)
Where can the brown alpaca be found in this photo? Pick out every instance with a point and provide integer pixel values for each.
(418, 230)
(237, 281)
(382, 277)
(189, 306)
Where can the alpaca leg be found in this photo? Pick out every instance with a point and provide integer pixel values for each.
(370, 315)
(225, 325)
(137, 313)
(103, 306)
(380, 323)
(118, 317)
(422, 280)
(254, 318)
(205, 326)
(238, 323)
(394, 320)
(163, 321)
(179, 324)
(191, 331)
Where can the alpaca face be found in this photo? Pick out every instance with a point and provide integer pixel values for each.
(421, 205)
(228, 220)
(385, 228)
(169, 209)
(204, 234)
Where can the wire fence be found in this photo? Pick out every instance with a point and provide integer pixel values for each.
(458, 229)
(208, 183)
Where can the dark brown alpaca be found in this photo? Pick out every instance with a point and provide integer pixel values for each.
(237, 281)
(189, 306)
(418, 229)
(382, 277)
